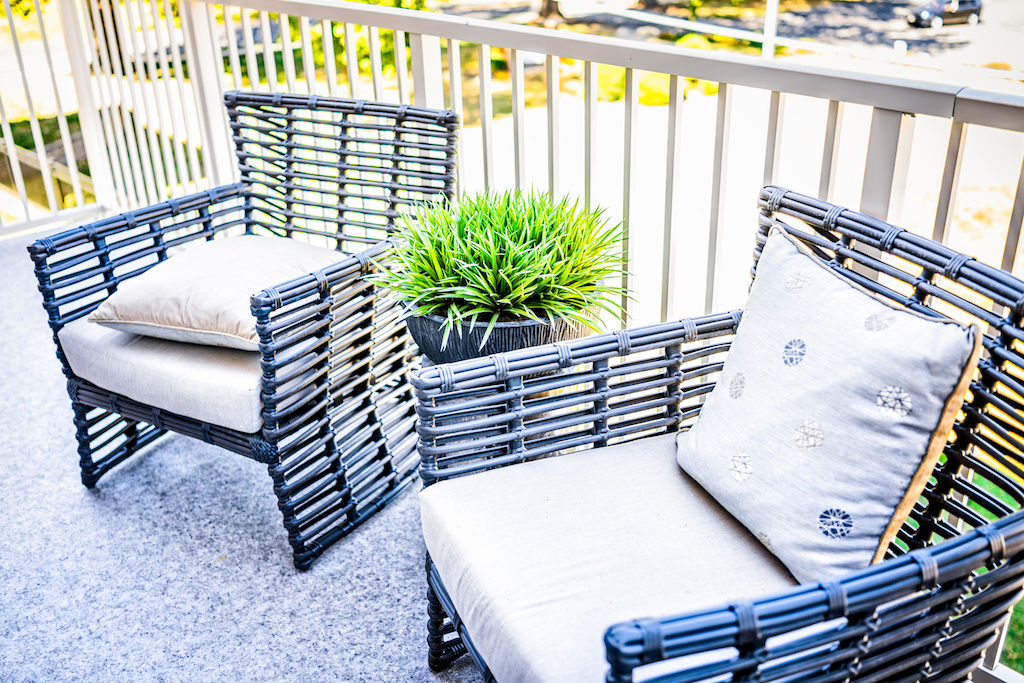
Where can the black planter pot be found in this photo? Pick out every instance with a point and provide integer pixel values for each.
(427, 331)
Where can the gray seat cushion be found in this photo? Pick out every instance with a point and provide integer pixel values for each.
(207, 383)
(542, 557)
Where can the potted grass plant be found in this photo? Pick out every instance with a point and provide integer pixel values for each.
(498, 272)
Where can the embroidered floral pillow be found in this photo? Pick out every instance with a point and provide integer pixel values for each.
(829, 416)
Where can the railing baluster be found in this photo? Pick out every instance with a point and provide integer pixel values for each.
(675, 127)
(189, 115)
(427, 77)
(206, 72)
(229, 29)
(131, 170)
(589, 139)
(1014, 231)
(308, 62)
(950, 180)
(518, 117)
(152, 93)
(723, 118)
(103, 150)
(33, 122)
(252, 65)
(330, 63)
(176, 124)
(455, 100)
(352, 60)
(136, 73)
(830, 151)
(631, 100)
(773, 145)
(885, 171)
(140, 154)
(552, 67)
(402, 67)
(376, 70)
(486, 115)
(287, 51)
(62, 122)
(269, 57)
(888, 158)
(12, 157)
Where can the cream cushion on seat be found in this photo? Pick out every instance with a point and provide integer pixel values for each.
(207, 383)
(540, 558)
(202, 295)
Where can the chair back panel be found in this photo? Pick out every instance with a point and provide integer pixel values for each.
(980, 477)
(337, 171)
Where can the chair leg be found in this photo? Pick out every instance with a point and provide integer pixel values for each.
(105, 442)
(440, 652)
(315, 500)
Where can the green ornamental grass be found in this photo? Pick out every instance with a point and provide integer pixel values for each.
(502, 257)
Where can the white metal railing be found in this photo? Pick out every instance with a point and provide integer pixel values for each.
(149, 76)
(38, 183)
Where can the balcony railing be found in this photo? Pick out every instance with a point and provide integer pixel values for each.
(680, 173)
(679, 167)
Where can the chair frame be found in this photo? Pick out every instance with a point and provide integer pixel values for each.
(950, 579)
(337, 434)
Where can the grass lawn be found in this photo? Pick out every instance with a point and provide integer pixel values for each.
(1013, 651)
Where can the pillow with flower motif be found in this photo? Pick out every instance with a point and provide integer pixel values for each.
(832, 408)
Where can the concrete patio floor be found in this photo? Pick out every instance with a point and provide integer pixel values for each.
(176, 567)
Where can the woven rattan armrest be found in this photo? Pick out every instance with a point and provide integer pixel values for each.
(77, 269)
(827, 627)
(508, 408)
(331, 342)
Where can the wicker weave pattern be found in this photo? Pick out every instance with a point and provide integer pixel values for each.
(337, 410)
(310, 162)
(954, 571)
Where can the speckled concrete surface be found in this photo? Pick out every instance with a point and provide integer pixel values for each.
(176, 567)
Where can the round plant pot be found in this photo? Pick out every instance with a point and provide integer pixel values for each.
(427, 331)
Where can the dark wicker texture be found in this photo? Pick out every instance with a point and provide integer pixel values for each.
(339, 442)
(505, 336)
(951, 576)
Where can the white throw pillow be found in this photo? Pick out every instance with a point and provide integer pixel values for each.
(201, 294)
(830, 413)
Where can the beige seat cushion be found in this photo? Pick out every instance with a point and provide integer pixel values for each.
(541, 558)
(201, 295)
(208, 383)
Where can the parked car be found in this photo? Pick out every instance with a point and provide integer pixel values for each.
(936, 13)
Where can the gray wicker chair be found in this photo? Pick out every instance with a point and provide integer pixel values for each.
(952, 575)
(339, 446)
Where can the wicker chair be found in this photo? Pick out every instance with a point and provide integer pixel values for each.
(950, 578)
(331, 171)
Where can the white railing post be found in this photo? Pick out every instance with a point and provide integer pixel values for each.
(96, 146)
(771, 28)
(427, 78)
(885, 171)
(205, 74)
(950, 180)
(888, 159)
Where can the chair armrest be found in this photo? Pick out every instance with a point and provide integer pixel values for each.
(332, 342)
(608, 388)
(77, 269)
(934, 610)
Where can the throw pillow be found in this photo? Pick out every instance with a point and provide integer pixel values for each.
(830, 413)
(201, 295)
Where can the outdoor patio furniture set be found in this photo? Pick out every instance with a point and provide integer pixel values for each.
(559, 527)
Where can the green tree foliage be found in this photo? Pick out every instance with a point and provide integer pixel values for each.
(24, 7)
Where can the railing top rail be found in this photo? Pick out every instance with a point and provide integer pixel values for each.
(898, 94)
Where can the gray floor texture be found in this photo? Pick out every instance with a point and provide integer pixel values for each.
(176, 567)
